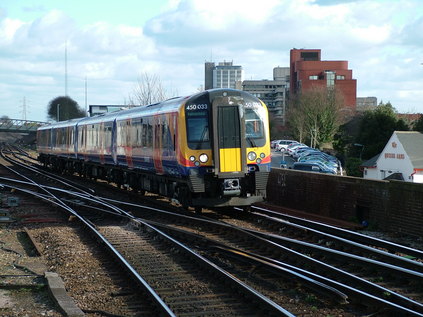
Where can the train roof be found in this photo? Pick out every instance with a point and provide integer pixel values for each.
(60, 124)
(166, 106)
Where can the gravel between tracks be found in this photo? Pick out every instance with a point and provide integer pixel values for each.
(87, 281)
(63, 250)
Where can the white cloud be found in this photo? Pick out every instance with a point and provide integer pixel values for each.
(8, 28)
(380, 39)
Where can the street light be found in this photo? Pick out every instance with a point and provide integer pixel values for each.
(362, 148)
(57, 112)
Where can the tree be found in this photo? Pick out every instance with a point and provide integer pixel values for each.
(418, 125)
(149, 90)
(64, 108)
(377, 127)
(314, 115)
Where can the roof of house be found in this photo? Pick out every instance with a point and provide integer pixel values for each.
(412, 141)
(371, 163)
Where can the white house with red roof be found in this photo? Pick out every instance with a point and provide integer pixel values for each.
(401, 159)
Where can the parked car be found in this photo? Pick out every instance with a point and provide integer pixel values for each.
(273, 143)
(321, 154)
(300, 150)
(310, 151)
(290, 146)
(313, 167)
(283, 144)
(291, 150)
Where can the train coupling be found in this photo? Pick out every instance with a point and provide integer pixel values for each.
(231, 187)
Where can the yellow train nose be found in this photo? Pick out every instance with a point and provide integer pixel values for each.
(230, 160)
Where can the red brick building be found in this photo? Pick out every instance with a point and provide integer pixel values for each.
(308, 70)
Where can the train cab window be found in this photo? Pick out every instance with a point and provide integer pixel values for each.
(254, 129)
(198, 129)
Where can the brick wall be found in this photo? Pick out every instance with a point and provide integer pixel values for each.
(386, 205)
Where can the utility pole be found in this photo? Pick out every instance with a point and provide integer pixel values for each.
(86, 105)
(66, 68)
(24, 109)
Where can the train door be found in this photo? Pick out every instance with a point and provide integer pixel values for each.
(229, 157)
(114, 142)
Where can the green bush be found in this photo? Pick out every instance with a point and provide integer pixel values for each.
(353, 167)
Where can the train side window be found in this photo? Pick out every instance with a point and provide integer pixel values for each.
(165, 136)
(144, 135)
(149, 133)
(108, 134)
(53, 137)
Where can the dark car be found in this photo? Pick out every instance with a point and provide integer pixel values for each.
(313, 167)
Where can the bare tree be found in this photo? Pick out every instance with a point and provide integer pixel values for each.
(314, 115)
(149, 90)
(296, 121)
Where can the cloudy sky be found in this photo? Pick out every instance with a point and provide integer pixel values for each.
(110, 44)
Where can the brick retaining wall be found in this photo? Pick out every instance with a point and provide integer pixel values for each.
(386, 205)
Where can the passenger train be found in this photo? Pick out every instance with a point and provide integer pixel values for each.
(211, 149)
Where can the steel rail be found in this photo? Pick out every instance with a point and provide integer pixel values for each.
(150, 291)
(374, 288)
(347, 234)
(316, 285)
(353, 292)
(167, 212)
(410, 306)
(83, 196)
(52, 176)
(333, 252)
(386, 256)
(270, 305)
(397, 299)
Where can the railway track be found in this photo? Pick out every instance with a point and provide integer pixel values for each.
(182, 291)
(275, 258)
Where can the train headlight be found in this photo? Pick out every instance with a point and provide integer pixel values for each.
(197, 163)
(204, 158)
(252, 156)
(258, 161)
(262, 155)
(192, 158)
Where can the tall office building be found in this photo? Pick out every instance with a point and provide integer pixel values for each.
(274, 93)
(224, 75)
(308, 70)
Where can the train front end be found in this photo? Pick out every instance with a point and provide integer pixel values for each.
(225, 150)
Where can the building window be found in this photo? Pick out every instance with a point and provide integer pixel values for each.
(330, 78)
(340, 77)
(310, 56)
(313, 77)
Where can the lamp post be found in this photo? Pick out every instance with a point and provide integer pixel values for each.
(57, 111)
(362, 148)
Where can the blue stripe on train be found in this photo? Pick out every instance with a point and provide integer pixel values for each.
(170, 167)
